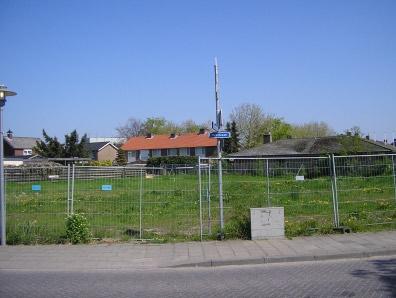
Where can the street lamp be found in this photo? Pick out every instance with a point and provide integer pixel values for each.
(4, 92)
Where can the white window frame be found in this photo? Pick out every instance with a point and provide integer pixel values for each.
(27, 152)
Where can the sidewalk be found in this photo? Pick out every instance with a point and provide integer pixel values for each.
(213, 253)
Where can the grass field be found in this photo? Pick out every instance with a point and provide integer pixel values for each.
(170, 206)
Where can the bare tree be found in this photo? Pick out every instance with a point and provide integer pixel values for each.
(133, 127)
(249, 119)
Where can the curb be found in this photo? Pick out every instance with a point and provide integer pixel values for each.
(286, 259)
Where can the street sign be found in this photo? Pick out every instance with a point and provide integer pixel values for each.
(220, 135)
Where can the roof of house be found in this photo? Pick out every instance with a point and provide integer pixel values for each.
(97, 146)
(21, 142)
(188, 140)
(316, 146)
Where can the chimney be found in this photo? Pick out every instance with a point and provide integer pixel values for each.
(201, 131)
(149, 135)
(9, 134)
(173, 135)
(267, 138)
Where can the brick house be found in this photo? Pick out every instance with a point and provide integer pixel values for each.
(18, 146)
(190, 144)
(101, 151)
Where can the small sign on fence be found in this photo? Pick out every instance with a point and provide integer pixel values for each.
(107, 187)
(299, 178)
(36, 187)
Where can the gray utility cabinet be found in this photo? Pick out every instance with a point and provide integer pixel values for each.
(267, 223)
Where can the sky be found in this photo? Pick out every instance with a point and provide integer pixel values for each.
(90, 65)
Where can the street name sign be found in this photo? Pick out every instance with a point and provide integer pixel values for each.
(220, 135)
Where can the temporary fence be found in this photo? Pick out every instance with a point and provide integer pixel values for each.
(183, 202)
(120, 203)
(318, 193)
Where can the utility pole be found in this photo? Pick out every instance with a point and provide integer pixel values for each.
(218, 127)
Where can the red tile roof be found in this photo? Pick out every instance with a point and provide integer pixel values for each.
(188, 140)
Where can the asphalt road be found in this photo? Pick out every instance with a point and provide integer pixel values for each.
(374, 277)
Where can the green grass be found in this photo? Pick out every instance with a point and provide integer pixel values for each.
(170, 206)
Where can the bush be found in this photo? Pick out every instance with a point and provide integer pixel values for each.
(172, 160)
(102, 163)
(238, 226)
(77, 229)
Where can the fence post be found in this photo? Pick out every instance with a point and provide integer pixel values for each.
(200, 198)
(394, 177)
(209, 211)
(335, 192)
(268, 186)
(221, 203)
(141, 205)
(68, 189)
(72, 190)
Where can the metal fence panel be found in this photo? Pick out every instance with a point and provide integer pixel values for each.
(36, 204)
(303, 186)
(138, 203)
(366, 191)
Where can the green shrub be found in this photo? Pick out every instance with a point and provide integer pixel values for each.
(77, 229)
(102, 163)
(238, 226)
(172, 160)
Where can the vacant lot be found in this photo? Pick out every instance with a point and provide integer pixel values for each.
(167, 207)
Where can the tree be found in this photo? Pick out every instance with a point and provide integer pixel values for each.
(159, 125)
(132, 128)
(231, 145)
(50, 147)
(355, 131)
(252, 124)
(278, 128)
(189, 126)
(73, 147)
(121, 157)
(312, 130)
(249, 119)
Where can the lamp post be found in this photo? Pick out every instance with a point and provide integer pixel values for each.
(4, 92)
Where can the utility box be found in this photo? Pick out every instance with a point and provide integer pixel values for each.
(267, 223)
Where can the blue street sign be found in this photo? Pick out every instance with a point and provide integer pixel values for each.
(220, 135)
(106, 187)
(36, 187)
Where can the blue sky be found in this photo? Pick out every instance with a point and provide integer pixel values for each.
(91, 65)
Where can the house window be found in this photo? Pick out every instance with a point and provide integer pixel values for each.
(131, 156)
(172, 152)
(27, 152)
(184, 151)
(144, 154)
(200, 151)
(156, 153)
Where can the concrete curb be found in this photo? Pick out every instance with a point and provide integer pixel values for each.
(285, 259)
